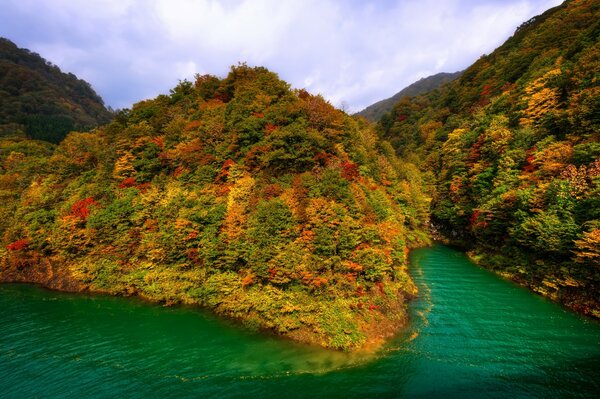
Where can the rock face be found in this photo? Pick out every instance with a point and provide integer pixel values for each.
(38, 270)
(263, 203)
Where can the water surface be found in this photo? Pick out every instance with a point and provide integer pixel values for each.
(471, 335)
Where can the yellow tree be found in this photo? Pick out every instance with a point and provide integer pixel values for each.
(541, 99)
(588, 248)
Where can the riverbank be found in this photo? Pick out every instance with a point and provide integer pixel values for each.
(471, 334)
(555, 280)
(362, 324)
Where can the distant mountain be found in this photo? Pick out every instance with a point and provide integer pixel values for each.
(375, 111)
(39, 101)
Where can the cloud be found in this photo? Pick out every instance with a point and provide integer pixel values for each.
(356, 52)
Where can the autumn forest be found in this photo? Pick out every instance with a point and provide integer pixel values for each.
(269, 206)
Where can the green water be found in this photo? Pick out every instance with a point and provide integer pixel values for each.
(471, 335)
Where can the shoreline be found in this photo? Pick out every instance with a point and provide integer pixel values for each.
(379, 329)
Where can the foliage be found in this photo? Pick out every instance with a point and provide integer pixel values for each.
(39, 101)
(261, 202)
(514, 146)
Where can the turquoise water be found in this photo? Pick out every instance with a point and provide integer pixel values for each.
(471, 335)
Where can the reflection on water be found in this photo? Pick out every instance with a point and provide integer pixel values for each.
(471, 335)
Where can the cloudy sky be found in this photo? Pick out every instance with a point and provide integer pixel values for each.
(354, 52)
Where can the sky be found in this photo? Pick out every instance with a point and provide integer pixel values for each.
(352, 52)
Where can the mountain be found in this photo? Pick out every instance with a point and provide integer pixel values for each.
(513, 148)
(41, 102)
(375, 111)
(263, 203)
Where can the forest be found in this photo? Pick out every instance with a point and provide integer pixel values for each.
(39, 101)
(512, 150)
(270, 206)
(240, 194)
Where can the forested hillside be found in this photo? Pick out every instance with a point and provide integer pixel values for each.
(376, 111)
(261, 202)
(513, 148)
(39, 101)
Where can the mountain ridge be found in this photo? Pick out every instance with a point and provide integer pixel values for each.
(39, 101)
(375, 111)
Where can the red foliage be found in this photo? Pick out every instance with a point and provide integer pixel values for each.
(373, 307)
(224, 172)
(159, 141)
(475, 221)
(192, 125)
(252, 158)
(81, 208)
(484, 96)
(306, 277)
(223, 190)
(350, 171)
(475, 151)
(355, 267)
(191, 235)
(143, 187)
(130, 182)
(206, 159)
(360, 291)
(474, 217)
(127, 183)
(272, 191)
(486, 90)
(402, 117)
(270, 128)
(529, 166)
(18, 245)
(258, 115)
(319, 282)
(179, 171)
(273, 272)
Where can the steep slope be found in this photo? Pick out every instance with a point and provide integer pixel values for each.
(41, 102)
(263, 203)
(375, 111)
(513, 147)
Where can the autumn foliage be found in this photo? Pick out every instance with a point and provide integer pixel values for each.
(263, 203)
(81, 208)
(512, 146)
(18, 245)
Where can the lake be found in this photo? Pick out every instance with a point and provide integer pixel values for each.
(472, 334)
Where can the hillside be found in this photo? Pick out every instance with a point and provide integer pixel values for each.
(375, 111)
(513, 149)
(39, 101)
(263, 203)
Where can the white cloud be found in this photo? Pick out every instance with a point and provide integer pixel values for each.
(352, 51)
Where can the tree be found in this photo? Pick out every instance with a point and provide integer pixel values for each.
(588, 248)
